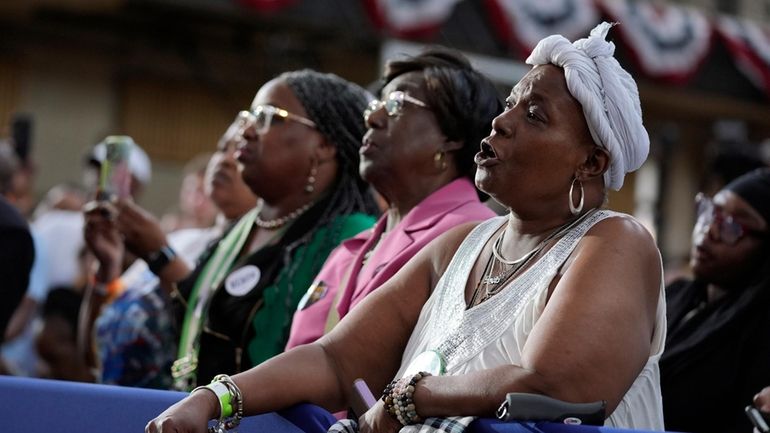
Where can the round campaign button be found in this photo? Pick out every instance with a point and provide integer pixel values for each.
(430, 361)
(242, 280)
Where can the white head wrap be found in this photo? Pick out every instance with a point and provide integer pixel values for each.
(608, 94)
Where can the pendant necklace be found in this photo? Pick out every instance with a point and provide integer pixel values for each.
(494, 282)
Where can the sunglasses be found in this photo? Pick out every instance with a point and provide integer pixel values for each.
(262, 116)
(728, 230)
(394, 104)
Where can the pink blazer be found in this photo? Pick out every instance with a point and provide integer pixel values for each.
(454, 204)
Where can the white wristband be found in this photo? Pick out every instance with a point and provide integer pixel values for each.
(223, 395)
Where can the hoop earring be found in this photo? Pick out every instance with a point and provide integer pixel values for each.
(310, 186)
(438, 159)
(572, 208)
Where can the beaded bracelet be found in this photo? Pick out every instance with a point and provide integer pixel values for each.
(230, 402)
(398, 397)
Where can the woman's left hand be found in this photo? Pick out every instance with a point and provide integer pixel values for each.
(378, 420)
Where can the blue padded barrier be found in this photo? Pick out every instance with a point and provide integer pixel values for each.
(52, 406)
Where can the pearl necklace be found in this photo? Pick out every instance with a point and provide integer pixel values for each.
(281, 221)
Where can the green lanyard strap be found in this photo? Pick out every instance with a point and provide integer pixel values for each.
(214, 271)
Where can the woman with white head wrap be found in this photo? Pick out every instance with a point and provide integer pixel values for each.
(558, 298)
(608, 95)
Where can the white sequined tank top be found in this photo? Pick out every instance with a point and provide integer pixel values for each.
(494, 332)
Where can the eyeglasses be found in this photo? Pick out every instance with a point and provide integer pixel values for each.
(394, 104)
(234, 133)
(262, 116)
(729, 231)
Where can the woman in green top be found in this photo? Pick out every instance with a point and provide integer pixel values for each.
(300, 156)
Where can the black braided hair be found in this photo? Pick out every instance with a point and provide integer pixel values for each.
(336, 106)
(463, 99)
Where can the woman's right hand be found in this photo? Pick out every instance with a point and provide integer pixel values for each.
(190, 415)
(140, 229)
(378, 420)
(103, 238)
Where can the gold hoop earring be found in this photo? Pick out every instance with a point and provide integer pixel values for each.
(572, 208)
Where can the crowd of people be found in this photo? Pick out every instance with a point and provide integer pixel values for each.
(336, 235)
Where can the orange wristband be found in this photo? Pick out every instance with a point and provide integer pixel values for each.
(111, 290)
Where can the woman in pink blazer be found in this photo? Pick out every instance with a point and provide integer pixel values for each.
(418, 154)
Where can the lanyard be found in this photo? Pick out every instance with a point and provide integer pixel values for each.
(214, 271)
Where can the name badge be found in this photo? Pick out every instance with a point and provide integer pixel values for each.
(315, 293)
(430, 361)
(242, 280)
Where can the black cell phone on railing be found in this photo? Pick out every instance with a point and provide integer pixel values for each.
(757, 419)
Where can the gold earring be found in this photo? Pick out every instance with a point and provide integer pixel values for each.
(438, 159)
(310, 186)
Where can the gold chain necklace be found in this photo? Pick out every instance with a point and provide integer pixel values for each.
(494, 283)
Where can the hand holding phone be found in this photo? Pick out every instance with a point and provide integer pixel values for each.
(115, 175)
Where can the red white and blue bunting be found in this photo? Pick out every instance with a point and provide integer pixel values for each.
(410, 18)
(669, 42)
(750, 46)
(522, 23)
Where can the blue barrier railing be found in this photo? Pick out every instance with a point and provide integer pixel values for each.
(51, 406)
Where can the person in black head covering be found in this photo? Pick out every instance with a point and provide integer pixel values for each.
(717, 353)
